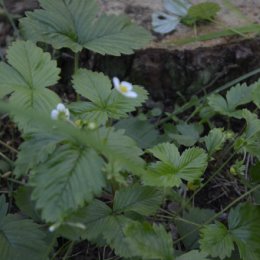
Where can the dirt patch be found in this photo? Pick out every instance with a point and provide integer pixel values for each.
(164, 72)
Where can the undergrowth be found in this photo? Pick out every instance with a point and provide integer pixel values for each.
(88, 172)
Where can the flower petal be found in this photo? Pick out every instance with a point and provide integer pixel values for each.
(54, 114)
(127, 84)
(116, 82)
(61, 107)
(131, 94)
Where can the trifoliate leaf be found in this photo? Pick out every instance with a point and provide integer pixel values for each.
(78, 24)
(100, 222)
(20, 238)
(114, 145)
(143, 132)
(215, 140)
(173, 167)
(143, 200)
(70, 177)
(216, 240)
(92, 218)
(105, 102)
(206, 11)
(236, 96)
(26, 78)
(193, 255)
(149, 242)
(244, 228)
(195, 215)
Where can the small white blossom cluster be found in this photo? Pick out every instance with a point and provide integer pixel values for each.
(60, 112)
(125, 88)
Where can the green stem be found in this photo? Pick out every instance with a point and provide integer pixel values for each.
(76, 62)
(232, 29)
(56, 254)
(76, 67)
(8, 146)
(69, 250)
(6, 158)
(212, 176)
(193, 113)
(11, 20)
(188, 221)
(16, 181)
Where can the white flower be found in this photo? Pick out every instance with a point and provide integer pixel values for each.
(92, 125)
(61, 112)
(125, 88)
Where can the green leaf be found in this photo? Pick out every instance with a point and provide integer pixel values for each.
(143, 200)
(35, 150)
(121, 149)
(244, 228)
(100, 222)
(113, 145)
(70, 177)
(216, 240)
(215, 140)
(256, 93)
(239, 95)
(166, 152)
(236, 96)
(250, 139)
(26, 78)
(20, 238)
(105, 102)
(198, 216)
(206, 11)
(25, 204)
(189, 134)
(193, 255)
(173, 167)
(78, 24)
(150, 242)
(94, 86)
(254, 172)
(253, 124)
(143, 132)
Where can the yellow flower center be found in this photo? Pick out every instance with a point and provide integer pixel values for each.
(123, 89)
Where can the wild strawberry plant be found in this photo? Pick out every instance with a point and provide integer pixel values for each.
(87, 170)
